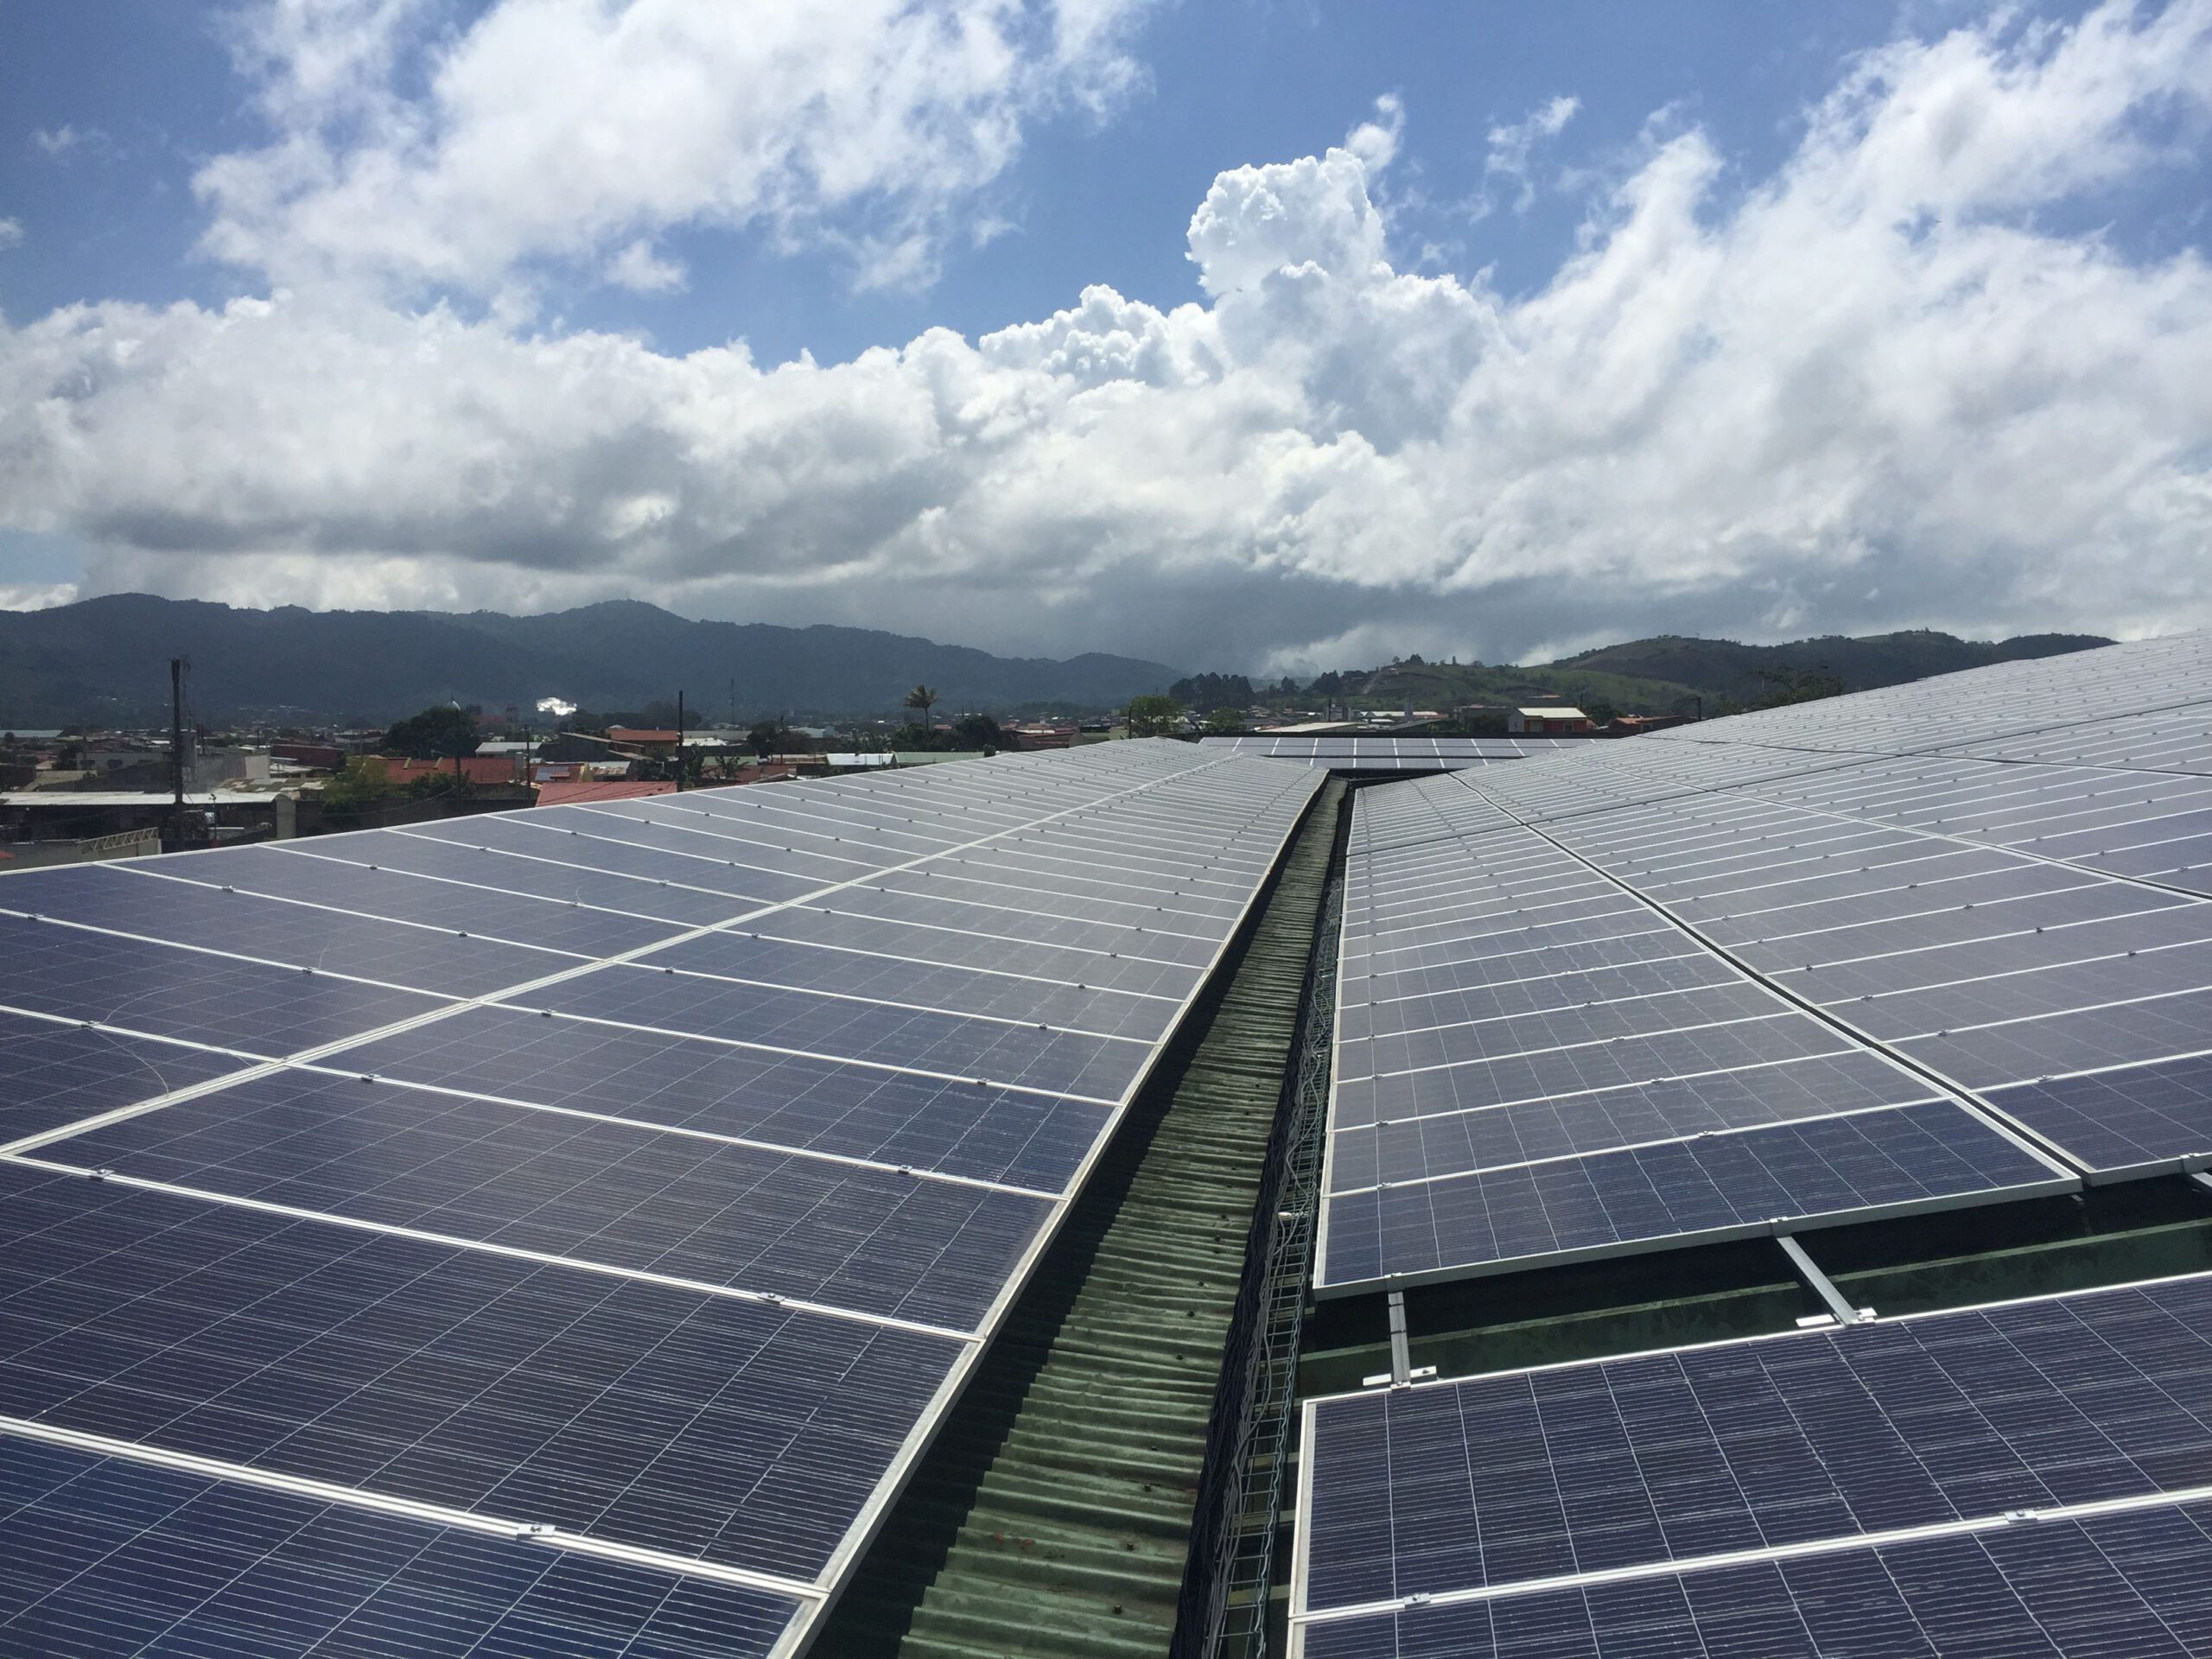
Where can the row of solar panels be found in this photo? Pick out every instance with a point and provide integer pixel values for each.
(1386, 753)
(2029, 1479)
(1938, 945)
(559, 1231)
(1650, 992)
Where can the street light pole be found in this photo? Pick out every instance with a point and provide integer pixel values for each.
(176, 745)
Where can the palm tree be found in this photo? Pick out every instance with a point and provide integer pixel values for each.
(922, 697)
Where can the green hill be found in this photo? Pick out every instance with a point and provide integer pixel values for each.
(1723, 668)
(1668, 673)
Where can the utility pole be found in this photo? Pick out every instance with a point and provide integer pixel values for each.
(176, 743)
(679, 742)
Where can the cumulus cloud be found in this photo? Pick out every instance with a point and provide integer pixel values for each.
(11, 233)
(434, 156)
(1375, 142)
(1871, 389)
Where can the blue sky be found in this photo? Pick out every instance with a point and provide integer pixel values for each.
(1539, 192)
(151, 88)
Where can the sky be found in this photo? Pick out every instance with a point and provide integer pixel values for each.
(1257, 335)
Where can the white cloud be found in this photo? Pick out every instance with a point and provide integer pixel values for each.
(1869, 391)
(1511, 148)
(37, 597)
(1375, 142)
(11, 233)
(639, 268)
(60, 141)
(568, 130)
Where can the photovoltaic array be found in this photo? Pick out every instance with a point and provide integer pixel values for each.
(2028, 1478)
(1937, 944)
(1382, 753)
(1944, 943)
(559, 1231)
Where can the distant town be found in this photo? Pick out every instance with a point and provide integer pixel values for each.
(85, 790)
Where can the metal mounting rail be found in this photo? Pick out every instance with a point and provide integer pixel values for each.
(1839, 1306)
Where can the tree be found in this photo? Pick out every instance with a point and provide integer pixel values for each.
(1207, 692)
(1152, 715)
(923, 697)
(434, 734)
(1225, 721)
(978, 732)
(363, 778)
(1788, 685)
(1601, 712)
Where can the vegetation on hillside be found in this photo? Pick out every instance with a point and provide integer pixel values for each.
(435, 735)
(1663, 676)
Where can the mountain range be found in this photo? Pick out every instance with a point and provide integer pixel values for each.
(106, 661)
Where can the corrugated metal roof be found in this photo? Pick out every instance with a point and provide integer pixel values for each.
(1052, 1517)
(570, 792)
(85, 800)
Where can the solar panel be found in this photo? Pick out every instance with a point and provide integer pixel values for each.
(2137, 1582)
(1669, 1469)
(1382, 753)
(412, 1186)
(307, 876)
(637, 1413)
(956, 1126)
(55, 1072)
(143, 986)
(105, 1558)
(858, 1236)
(446, 961)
